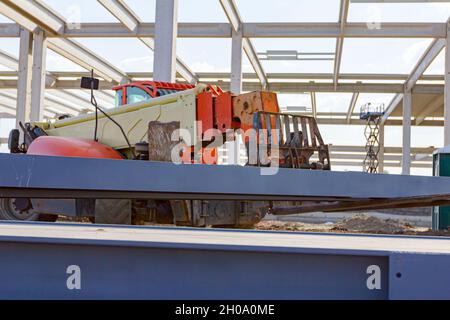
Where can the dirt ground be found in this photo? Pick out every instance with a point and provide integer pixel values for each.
(360, 223)
(357, 224)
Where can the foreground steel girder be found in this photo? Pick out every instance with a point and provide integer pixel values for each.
(55, 177)
(221, 264)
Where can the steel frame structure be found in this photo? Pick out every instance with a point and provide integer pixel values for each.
(39, 27)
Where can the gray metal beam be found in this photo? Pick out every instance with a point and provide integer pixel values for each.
(38, 80)
(250, 30)
(9, 30)
(407, 109)
(236, 62)
(270, 30)
(343, 13)
(281, 87)
(166, 25)
(8, 101)
(391, 107)
(72, 98)
(390, 122)
(352, 106)
(390, 150)
(352, 30)
(275, 76)
(24, 77)
(122, 12)
(447, 88)
(364, 267)
(396, 164)
(7, 108)
(147, 30)
(63, 107)
(255, 62)
(8, 60)
(314, 104)
(200, 181)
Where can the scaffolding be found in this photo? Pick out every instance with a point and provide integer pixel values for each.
(372, 114)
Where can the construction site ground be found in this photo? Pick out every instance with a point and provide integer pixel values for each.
(360, 223)
(394, 222)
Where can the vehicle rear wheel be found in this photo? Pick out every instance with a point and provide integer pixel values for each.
(21, 210)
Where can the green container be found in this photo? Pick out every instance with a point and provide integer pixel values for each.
(441, 167)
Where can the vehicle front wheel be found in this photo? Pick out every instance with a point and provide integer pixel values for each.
(20, 209)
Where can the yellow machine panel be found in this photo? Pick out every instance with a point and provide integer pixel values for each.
(134, 119)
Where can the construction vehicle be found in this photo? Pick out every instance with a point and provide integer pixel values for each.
(156, 121)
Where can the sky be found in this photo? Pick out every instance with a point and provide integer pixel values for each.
(210, 55)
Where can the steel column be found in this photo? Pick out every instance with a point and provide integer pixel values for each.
(236, 62)
(39, 75)
(313, 104)
(406, 156)
(166, 30)
(447, 89)
(381, 150)
(24, 77)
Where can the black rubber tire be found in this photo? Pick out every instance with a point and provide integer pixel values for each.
(7, 212)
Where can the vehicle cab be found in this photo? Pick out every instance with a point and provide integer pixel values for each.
(139, 91)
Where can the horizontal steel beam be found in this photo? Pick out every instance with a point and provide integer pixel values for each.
(352, 30)
(9, 30)
(147, 30)
(271, 30)
(252, 30)
(387, 150)
(253, 76)
(28, 176)
(360, 164)
(390, 122)
(281, 87)
(48, 261)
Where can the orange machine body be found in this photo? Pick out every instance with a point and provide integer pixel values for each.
(71, 147)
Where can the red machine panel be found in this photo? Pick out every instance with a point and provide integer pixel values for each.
(205, 112)
(224, 111)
